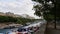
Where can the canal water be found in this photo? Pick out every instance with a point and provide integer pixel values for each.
(4, 31)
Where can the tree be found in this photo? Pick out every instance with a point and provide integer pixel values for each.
(48, 8)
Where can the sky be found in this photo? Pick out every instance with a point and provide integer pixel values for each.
(17, 7)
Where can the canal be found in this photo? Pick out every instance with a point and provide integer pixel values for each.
(4, 31)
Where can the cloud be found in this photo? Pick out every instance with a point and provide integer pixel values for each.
(17, 6)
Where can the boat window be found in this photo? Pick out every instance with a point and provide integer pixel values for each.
(23, 29)
(20, 30)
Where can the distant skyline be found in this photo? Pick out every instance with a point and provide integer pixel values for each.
(17, 7)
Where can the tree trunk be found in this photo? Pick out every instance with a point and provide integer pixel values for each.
(55, 12)
(46, 28)
(55, 22)
(55, 25)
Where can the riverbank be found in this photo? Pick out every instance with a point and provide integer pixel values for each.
(4, 25)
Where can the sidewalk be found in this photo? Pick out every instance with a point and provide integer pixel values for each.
(53, 31)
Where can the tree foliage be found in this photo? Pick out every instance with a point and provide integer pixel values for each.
(48, 8)
(7, 19)
(19, 20)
